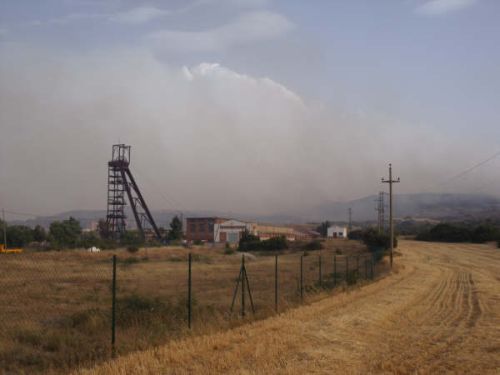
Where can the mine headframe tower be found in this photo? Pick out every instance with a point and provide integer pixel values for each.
(121, 183)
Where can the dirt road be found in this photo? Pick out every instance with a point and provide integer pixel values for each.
(439, 312)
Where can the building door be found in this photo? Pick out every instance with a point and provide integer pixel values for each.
(233, 237)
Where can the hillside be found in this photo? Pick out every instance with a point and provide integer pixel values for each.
(423, 205)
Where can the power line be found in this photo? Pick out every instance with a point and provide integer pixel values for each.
(468, 170)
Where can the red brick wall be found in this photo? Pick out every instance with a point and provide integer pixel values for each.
(201, 228)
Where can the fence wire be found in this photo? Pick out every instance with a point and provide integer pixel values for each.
(56, 310)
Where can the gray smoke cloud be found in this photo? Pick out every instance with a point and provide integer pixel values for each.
(203, 136)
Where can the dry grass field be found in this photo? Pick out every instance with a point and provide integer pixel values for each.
(439, 312)
(55, 310)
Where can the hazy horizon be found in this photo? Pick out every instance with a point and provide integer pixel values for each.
(252, 106)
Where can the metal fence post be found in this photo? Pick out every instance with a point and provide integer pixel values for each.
(334, 270)
(320, 275)
(189, 301)
(276, 283)
(113, 309)
(243, 286)
(302, 277)
(346, 268)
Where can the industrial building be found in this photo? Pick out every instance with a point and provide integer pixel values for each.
(201, 228)
(231, 231)
(336, 231)
(215, 229)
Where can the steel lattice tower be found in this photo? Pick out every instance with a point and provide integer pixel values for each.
(380, 212)
(121, 182)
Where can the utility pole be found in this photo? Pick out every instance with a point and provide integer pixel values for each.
(4, 230)
(390, 181)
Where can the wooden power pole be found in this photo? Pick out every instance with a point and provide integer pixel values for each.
(391, 181)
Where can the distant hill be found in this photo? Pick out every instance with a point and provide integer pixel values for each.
(418, 206)
(423, 205)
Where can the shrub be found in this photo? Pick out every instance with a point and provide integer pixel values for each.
(355, 235)
(65, 233)
(134, 309)
(313, 245)
(89, 239)
(376, 241)
(484, 233)
(253, 243)
(132, 249)
(130, 261)
(132, 238)
(228, 249)
(445, 232)
(91, 320)
(275, 243)
(352, 277)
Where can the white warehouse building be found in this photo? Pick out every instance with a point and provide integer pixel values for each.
(336, 231)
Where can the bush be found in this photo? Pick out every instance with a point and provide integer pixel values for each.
(355, 235)
(65, 233)
(377, 241)
(132, 238)
(275, 243)
(130, 261)
(446, 233)
(484, 233)
(249, 242)
(89, 239)
(313, 245)
(132, 249)
(135, 309)
(228, 249)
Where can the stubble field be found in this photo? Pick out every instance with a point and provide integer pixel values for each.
(55, 310)
(439, 312)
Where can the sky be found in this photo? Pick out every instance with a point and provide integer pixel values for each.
(251, 106)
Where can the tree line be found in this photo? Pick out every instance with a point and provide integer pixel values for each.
(68, 234)
(461, 232)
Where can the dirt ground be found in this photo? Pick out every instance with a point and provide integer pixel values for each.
(439, 312)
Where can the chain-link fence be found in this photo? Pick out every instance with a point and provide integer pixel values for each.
(68, 309)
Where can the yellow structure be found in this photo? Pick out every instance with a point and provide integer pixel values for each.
(3, 250)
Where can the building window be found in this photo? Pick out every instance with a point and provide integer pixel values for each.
(201, 227)
(210, 227)
(192, 227)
